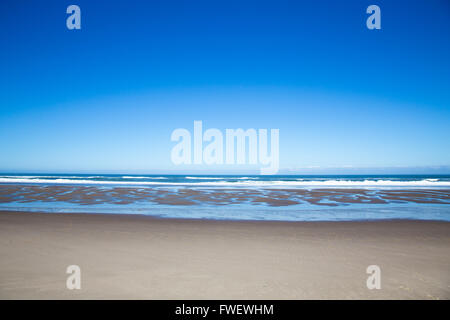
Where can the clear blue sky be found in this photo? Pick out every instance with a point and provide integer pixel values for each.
(107, 97)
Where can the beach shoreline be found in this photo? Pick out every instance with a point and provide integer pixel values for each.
(243, 203)
(214, 195)
(142, 257)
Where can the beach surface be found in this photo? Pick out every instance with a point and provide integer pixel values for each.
(140, 257)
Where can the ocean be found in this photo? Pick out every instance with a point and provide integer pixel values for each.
(233, 197)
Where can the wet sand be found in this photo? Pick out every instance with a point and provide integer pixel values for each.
(139, 257)
(88, 195)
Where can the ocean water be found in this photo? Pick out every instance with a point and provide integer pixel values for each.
(309, 181)
(233, 197)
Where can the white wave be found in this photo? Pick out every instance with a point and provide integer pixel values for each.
(135, 177)
(334, 183)
(368, 183)
(222, 178)
(317, 183)
(52, 177)
(246, 178)
(37, 177)
(72, 181)
(206, 178)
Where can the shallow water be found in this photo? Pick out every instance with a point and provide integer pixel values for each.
(235, 201)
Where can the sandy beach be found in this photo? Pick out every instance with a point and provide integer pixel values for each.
(87, 195)
(139, 257)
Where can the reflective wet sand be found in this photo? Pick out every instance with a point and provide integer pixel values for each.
(193, 196)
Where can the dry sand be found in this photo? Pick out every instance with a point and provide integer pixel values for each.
(138, 257)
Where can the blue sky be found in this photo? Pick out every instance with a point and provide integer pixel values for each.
(107, 97)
